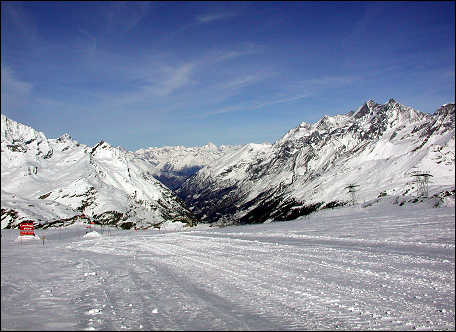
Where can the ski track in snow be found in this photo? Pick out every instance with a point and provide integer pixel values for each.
(343, 269)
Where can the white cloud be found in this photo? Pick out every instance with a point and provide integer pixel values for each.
(361, 27)
(242, 82)
(246, 49)
(50, 103)
(208, 18)
(285, 99)
(254, 105)
(326, 81)
(87, 44)
(157, 81)
(125, 15)
(13, 84)
(15, 92)
(175, 78)
(21, 20)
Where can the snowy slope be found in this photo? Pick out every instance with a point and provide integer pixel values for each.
(172, 165)
(376, 147)
(382, 267)
(58, 180)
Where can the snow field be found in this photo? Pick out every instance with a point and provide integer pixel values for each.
(380, 267)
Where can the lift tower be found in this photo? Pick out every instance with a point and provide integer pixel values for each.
(422, 181)
(352, 189)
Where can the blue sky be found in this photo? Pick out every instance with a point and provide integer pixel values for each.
(187, 73)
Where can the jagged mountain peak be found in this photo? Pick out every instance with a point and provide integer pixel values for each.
(446, 110)
(391, 112)
(391, 101)
(210, 146)
(11, 129)
(64, 137)
(371, 103)
(370, 116)
(66, 140)
(363, 110)
(375, 147)
(327, 122)
(106, 184)
(19, 138)
(106, 147)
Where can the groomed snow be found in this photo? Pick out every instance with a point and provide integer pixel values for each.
(21, 238)
(381, 267)
(91, 235)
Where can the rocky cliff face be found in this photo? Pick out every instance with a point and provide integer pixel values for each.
(56, 181)
(375, 147)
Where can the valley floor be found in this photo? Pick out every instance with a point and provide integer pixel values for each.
(381, 267)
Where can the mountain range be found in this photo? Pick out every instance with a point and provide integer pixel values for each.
(57, 182)
(375, 150)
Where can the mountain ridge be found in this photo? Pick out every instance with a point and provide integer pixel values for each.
(293, 170)
(308, 168)
(57, 181)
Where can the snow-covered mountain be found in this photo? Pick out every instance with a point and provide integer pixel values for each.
(172, 165)
(377, 147)
(52, 181)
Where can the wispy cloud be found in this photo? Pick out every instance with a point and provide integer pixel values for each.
(197, 21)
(241, 50)
(175, 78)
(12, 84)
(88, 43)
(241, 82)
(208, 18)
(325, 81)
(244, 81)
(161, 76)
(149, 88)
(125, 15)
(16, 93)
(19, 21)
(279, 100)
(255, 105)
(361, 27)
(50, 103)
